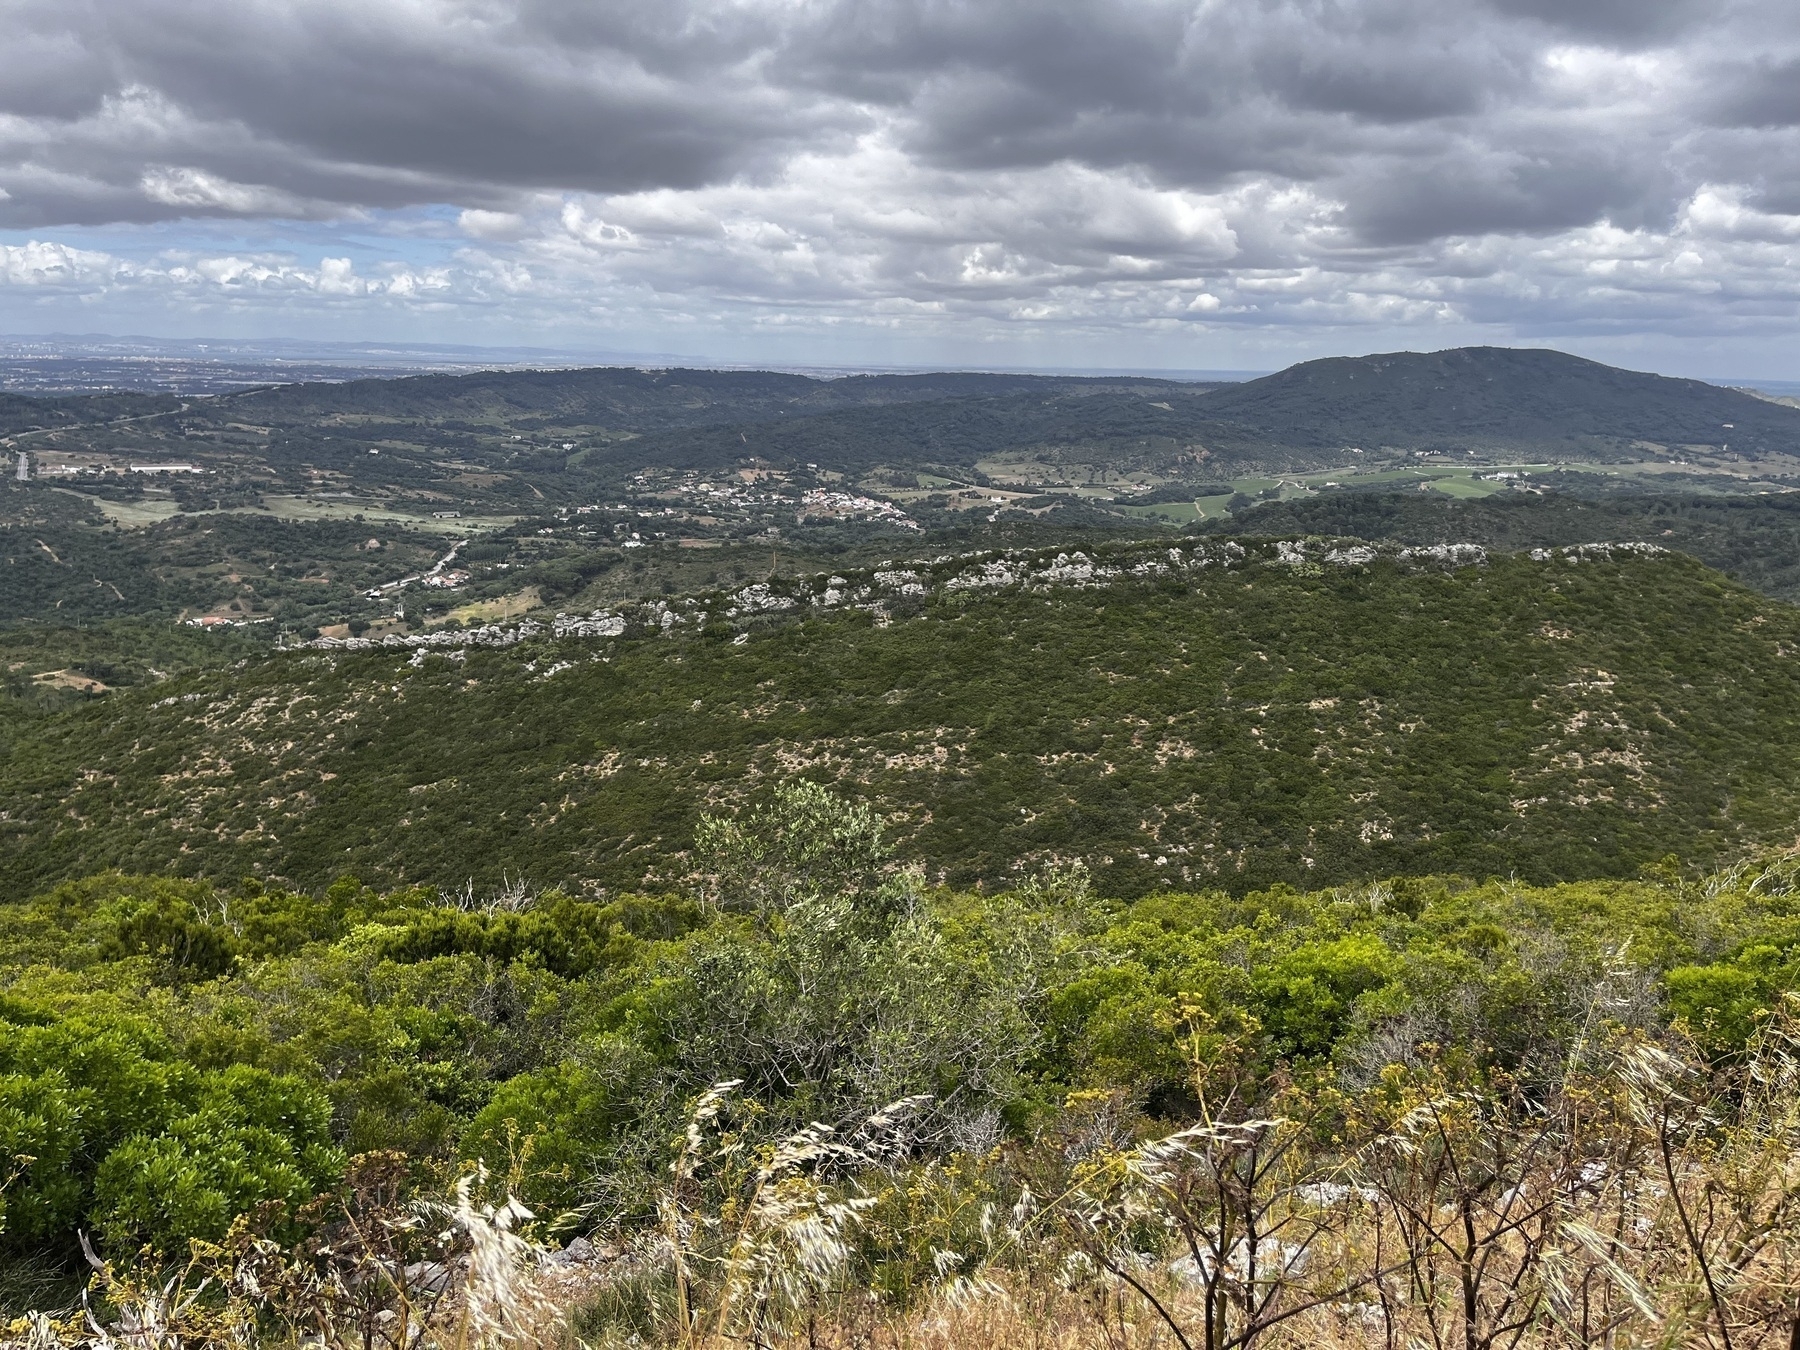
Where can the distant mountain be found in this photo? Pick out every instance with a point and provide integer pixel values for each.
(628, 399)
(611, 398)
(1497, 398)
(1489, 399)
(1483, 398)
(498, 439)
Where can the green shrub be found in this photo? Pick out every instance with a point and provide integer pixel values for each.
(552, 1127)
(125, 1138)
(1306, 998)
(1720, 1003)
(253, 1137)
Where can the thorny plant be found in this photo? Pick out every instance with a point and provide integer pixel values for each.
(1487, 1198)
(1244, 1199)
(1724, 1154)
(1638, 1200)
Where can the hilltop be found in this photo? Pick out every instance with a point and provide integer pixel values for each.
(1500, 399)
(1204, 715)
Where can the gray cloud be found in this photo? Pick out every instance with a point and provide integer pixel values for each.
(386, 104)
(1081, 162)
(1762, 93)
(1629, 22)
(382, 104)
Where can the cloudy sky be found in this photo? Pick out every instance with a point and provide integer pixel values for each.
(1096, 183)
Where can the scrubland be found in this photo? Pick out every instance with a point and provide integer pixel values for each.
(804, 1097)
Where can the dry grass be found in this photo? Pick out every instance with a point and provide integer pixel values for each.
(1639, 1198)
(1642, 1199)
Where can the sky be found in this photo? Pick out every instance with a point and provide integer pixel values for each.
(1220, 184)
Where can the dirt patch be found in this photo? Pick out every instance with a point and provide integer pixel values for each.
(498, 610)
(71, 679)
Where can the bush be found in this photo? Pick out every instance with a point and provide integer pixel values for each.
(125, 1138)
(1721, 1004)
(551, 1128)
(253, 1137)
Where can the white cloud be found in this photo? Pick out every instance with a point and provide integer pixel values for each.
(1720, 267)
(231, 279)
(42, 263)
(479, 224)
(198, 190)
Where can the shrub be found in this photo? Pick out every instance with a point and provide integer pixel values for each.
(254, 1137)
(123, 1137)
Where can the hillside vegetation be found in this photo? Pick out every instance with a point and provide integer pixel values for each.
(62, 561)
(810, 1099)
(627, 399)
(1756, 540)
(21, 413)
(1199, 715)
(1517, 399)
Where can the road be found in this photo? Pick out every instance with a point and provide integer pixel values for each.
(377, 592)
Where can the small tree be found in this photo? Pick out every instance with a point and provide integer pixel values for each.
(804, 845)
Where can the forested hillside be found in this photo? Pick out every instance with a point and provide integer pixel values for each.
(1155, 424)
(1755, 540)
(623, 398)
(61, 561)
(628, 399)
(1499, 397)
(21, 413)
(1194, 715)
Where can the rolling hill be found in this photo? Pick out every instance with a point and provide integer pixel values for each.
(1320, 414)
(623, 398)
(1498, 398)
(21, 412)
(1754, 539)
(1210, 714)
(562, 434)
(314, 501)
